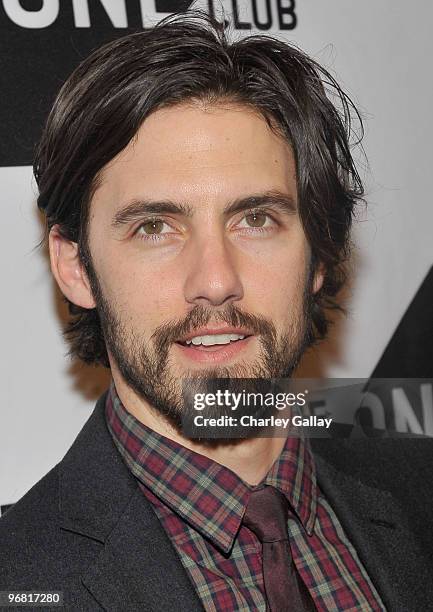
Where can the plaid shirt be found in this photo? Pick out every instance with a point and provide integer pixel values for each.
(201, 504)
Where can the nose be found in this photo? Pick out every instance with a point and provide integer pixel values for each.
(213, 278)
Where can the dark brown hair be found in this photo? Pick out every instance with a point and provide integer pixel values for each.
(188, 56)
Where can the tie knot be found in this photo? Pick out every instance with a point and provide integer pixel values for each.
(266, 514)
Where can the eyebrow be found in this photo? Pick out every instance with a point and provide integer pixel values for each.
(137, 208)
(275, 199)
(134, 210)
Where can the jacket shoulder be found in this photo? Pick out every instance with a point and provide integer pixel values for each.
(27, 530)
(36, 553)
(34, 511)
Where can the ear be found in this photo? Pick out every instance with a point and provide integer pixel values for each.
(319, 277)
(68, 270)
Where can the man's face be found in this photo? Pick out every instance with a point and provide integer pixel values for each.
(200, 263)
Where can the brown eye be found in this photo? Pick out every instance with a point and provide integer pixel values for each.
(256, 219)
(152, 227)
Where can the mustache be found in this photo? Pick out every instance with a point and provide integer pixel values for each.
(169, 332)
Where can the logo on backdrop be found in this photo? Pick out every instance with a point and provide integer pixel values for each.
(46, 39)
(259, 14)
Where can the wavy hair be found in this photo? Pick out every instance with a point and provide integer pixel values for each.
(189, 56)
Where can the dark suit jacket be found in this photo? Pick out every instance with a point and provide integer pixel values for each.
(86, 528)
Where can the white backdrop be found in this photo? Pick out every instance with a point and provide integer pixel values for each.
(381, 53)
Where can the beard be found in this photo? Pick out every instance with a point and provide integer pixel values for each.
(147, 369)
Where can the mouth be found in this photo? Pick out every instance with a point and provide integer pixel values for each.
(214, 345)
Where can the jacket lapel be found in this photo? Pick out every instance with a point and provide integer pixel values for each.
(375, 525)
(136, 567)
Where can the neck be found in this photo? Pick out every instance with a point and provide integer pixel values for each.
(251, 459)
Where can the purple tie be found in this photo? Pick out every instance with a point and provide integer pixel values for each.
(266, 515)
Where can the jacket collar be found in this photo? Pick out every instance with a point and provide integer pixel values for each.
(137, 566)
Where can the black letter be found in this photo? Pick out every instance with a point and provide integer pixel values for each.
(172, 6)
(239, 25)
(287, 10)
(268, 24)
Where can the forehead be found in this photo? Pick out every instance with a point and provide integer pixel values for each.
(195, 152)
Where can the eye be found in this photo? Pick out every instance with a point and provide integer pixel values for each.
(153, 229)
(257, 219)
(154, 226)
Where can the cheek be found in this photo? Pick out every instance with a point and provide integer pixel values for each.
(151, 302)
(144, 295)
(276, 282)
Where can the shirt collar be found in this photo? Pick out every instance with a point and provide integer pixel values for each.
(294, 474)
(207, 495)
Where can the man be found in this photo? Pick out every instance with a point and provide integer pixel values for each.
(199, 197)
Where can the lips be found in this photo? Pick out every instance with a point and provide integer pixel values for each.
(214, 336)
(214, 346)
(215, 354)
